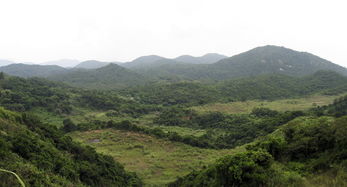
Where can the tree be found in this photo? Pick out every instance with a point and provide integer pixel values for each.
(69, 125)
(2, 76)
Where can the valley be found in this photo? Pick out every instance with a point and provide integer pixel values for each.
(156, 161)
(270, 116)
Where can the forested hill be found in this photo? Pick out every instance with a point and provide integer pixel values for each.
(264, 87)
(22, 95)
(273, 59)
(43, 156)
(261, 60)
(307, 151)
(91, 64)
(209, 58)
(154, 61)
(108, 77)
(25, 70)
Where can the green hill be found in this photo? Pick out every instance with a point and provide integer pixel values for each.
(25, 70)
(208, 58)
(308, 151)
(274, 59)
(145, 62)
(91, 64)
(264, 87)
(111, 76)
(42, 156)
(261, 60)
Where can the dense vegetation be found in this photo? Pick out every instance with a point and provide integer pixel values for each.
(227, 131)
(279, 148)
(25, 70)
(337, 109)
(108, 77)
(21, 94)
(264, 87)
(299, 153)
(43, 156)
(258, 61)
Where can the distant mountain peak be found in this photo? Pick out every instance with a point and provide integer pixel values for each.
(148, 58)
(208, 58)
(276, 59)
(62, 62)
(32, 70)
(91, 64)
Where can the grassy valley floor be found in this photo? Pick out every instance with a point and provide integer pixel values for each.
(238, 107)
(156, 161)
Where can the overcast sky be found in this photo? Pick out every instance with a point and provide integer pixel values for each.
(121, 30)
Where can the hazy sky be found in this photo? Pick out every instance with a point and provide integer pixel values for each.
(121, 30)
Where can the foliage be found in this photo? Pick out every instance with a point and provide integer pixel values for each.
(23, 94)
(305, 147)
(237, 129)
(251, 168)
(337, 108)
(262, 87)
(258, 61)
(108, 77)
(25, 141)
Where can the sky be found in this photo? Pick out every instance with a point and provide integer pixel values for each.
(122, 30)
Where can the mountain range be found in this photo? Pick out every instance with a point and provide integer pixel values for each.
(258, 61)
(26, 70)
(66, 63)
(107, 77)
(91, 64)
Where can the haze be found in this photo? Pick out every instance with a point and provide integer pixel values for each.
(40, 30)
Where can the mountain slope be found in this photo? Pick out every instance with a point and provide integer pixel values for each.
(274, 59)
(108, 77)
(307, 151)
(25, 70)
(263, 87)
(91, 64)
(66, 63)
(43, 156)
(209, 58)
(154, 61)
(261, 60)
(145, 62)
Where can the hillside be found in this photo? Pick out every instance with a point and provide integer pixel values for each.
(138, 126)
(274, 59)
(261, 60)
(263, 87)
(91, 64)
(42, 156)
(208, 58)
(258, 61)
(66, 63)
(111, 76)
(145, 62)
(25, 70)
(154, 61)
(307, 151)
